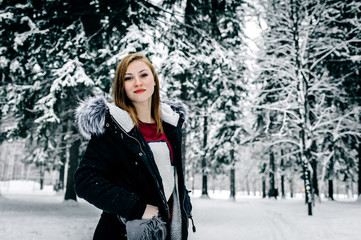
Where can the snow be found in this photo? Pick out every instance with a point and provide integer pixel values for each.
(20, 38)
(275, 219)
(6, 15)
(26, 212)
(70, 75)
(25, 187)
(3, 62)
(45, 217)
(356, 58)
(14, 65)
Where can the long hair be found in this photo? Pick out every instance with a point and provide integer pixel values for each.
(120, 97)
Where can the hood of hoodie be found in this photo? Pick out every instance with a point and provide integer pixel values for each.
(90, 115)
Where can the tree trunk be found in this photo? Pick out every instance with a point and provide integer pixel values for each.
(232, 177)
(330, 181)
(61, 178)
(314, 178)
(283, 186)
(302, 92)
(282, 176)
(307, 183)
(232, 187)
(272, 190)
(73, 164)
(204, 160)
(330, 189)
(41, 177)
(204, 186)
(263, 179)
(264, 187)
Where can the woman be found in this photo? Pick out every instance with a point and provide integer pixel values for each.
(132, 167)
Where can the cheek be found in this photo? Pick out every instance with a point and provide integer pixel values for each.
(150, 81)
(127, 88)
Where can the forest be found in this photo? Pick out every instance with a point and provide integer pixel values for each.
(274, 83)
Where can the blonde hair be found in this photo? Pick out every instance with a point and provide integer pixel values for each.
(120, 97)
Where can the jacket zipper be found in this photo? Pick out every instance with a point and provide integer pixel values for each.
(190, 214)
(143, 152)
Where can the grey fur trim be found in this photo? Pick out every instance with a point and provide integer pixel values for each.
(90, 116)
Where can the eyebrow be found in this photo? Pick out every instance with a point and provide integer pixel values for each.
(138, 72)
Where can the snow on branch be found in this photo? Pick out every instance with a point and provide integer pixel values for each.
(70, 75)
(20, 38)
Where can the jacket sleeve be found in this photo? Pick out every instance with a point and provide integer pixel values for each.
(92, 184)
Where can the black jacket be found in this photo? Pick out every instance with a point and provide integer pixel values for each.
(118, 173)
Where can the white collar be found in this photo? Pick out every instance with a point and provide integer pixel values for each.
(126, 122)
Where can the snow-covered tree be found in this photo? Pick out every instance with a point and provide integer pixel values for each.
(233, 130)
(204, 70)
(53, 52)
(343, 24)
(298, 86)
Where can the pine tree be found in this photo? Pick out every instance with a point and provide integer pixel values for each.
(232, 90)
(54, 55)
(200, 59)
(344, 64)
(189, 64)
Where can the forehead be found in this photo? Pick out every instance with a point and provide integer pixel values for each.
(137, 66)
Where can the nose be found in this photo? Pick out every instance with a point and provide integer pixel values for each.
(137, 81)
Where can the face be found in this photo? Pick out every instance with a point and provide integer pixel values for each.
(139, 83)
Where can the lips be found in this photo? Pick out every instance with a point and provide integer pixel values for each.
(139, 91)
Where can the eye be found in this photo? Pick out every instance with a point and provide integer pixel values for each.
(127, 78)
(144, 75)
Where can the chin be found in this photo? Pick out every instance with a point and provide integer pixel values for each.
(141, 100)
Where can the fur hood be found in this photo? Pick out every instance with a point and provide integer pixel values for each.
(90, 115)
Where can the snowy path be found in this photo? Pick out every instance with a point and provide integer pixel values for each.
(276, 219)
(31, 217)
(218, 219)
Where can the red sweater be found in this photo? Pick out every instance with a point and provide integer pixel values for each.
(149, 132)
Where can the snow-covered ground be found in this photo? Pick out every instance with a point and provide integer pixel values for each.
(276, 219)
(32, 214)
